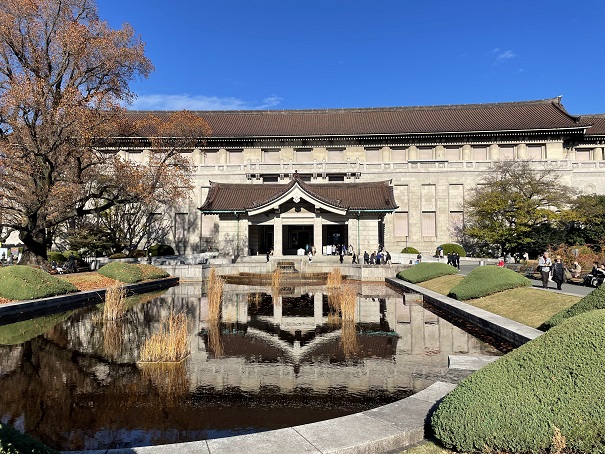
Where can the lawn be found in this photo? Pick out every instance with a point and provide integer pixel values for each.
(525, 305)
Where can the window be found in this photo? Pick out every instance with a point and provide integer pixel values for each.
(236, 156)
(398, 155)
(336, 154)
(452, 153)
(373, 154)
(401, 224)
(479, 153)
(583, 154)
(271, 156)
(303, 155)
(429, 227)
(534, 151)
(425, 153)
(336, 178)
(507, 152)
(270, 179)
(211, 157)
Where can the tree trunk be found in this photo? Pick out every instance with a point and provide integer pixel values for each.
(35, 251)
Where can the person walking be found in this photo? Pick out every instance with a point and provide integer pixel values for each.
(558, 272)
(545, 264)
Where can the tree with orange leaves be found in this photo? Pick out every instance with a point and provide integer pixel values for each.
(64, 76)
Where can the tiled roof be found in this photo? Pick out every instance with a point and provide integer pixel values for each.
(511, 116)
(224, 197)
(597, 122)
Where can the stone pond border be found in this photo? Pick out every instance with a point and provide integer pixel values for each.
(389, 428)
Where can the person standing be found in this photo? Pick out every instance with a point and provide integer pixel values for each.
(544, 264)
(558, 272)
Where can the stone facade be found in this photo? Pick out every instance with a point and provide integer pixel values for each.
(431, 162)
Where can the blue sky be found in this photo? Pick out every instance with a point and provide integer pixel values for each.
(316, 54)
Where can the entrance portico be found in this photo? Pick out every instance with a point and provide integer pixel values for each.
(291, 218)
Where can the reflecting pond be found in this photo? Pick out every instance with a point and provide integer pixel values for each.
(272, 361)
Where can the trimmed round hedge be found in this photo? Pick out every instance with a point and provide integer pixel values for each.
(594, 300)
(426, 271)
(410, 250)
(486, 280)
(158, 250)
(20, 282)
(123, 272)
(515, 403)
(450, 248)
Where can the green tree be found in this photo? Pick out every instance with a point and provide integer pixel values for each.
(585, 223)
(512, 200)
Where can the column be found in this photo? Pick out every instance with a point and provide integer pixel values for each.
(277, 236)
(318, 308)
(317, 233)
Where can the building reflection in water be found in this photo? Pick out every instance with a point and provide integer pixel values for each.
(273, 360)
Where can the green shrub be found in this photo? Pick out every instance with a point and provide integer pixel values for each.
(66, 254)
(410, 250)
(426, 271)
(14, 442)
(152, 272)
(158, 250)
(123, 272)
(20, 282)
(450, 248)
(118, 255)
(486, 280)
(594, 300)
(514, 404)
(57, 257)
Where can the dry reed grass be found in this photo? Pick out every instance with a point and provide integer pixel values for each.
(215, 295)
(334, 279)
(115, 304)
(348, 339)
(214, 339)
(113, 339)
(333, 319)
(276, 278)
(170, 379)
(170, 344)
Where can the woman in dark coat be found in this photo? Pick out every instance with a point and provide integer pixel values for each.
(558, 272)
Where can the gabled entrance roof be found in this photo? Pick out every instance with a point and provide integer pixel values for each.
(341, 198)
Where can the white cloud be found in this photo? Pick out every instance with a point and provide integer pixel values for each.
(185, 101)
(506, 55)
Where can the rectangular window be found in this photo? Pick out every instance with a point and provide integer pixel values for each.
(452, 153)
(211, 157)
(336, 178)
(401, 224)
(429, 226)
(507, 152)
(425, 153)
(336, 154)
(583, 154)
(303, 155)
(236, 156)
(373, 154)
(398, 155)
(271, 156)
(270, 178)
(534, 152)
(479, 153)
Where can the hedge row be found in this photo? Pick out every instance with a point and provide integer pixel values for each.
(515, 403)
(426, 271)
(20, 282)
(594, 300)
(486, 280)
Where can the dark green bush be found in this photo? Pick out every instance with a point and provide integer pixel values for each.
(118, 255)
(19, 282)
(159, 250)
(14, 442)
(66, 254)
(426, 271)
(57, 257)
(410, 250)
(594, 300)
(514, 404)
(450, 248)
(123, 272)
(486, 280)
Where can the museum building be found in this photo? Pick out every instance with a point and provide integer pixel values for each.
(396, 177)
